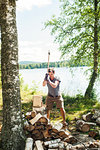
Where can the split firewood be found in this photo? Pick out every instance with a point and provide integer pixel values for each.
(58, 126)
(33, 114)
(82, 126)
(43, 120)
(64, 133)
(70, 139)
(39, 145)
(40, 127)
(41, 110)
(37, 135)
(87, 117)
(29, 144)
(92, 145)
(35, 119)
(35, 132)
(46, 134)
(26, 125)
(28, 115)
(30, 128)
(92, 134)
(98, 120)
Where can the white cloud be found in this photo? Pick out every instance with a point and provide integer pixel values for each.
(38, 51)
(28, 4)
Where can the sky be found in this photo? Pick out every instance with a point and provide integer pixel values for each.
(34, 42)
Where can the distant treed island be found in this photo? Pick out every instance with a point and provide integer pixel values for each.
(33, 65)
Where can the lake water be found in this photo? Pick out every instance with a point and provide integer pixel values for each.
(73, 81)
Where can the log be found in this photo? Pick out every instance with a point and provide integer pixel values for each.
(37, 101)
(52, 142)
(96, 114)
(35, 119)
(38, 144)
(98, 120)
(87, 117)
(82, 126)
(29, 144)
(57, 145)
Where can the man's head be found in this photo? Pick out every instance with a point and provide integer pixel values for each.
(51, 72)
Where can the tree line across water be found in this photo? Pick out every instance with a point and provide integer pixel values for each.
(53, 64)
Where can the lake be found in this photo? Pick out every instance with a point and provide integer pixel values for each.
(73, 81)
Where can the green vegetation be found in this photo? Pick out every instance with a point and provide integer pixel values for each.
(55, 64)
(76, 29)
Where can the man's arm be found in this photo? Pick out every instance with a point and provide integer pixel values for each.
(44, 83)
(54, 85)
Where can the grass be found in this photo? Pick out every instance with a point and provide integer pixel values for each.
(74, 106)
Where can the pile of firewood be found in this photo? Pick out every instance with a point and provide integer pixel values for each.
(88, 121)
(42, 135)
(45, 134)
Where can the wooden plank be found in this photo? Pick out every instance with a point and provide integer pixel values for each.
(29, 144)
(37, 101)
(35, 119)
(38, 144)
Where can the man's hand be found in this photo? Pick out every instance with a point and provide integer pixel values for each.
(46, 77)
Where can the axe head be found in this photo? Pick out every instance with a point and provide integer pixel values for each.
(48, 52)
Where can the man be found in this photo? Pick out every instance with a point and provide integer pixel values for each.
(53, 84)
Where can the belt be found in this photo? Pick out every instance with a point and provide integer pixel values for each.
(53, 96)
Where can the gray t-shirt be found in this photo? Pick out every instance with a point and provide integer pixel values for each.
(54, 91)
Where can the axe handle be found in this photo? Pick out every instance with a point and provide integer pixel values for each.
(48, 59)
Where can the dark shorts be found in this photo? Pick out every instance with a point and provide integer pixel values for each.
(51, 100)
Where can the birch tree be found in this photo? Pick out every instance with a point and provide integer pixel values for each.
(12, 130)
(77, 30)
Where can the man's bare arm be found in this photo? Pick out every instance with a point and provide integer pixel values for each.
(44, 83)
(54, 85)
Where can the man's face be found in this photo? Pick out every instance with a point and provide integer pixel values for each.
(51, 74)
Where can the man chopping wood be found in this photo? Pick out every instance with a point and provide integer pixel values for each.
(54, 96)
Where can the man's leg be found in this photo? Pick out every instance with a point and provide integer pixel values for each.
(48, 114)
(62, 111)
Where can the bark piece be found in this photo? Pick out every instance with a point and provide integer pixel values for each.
(39, 145)
(82, 126)
(29, 144)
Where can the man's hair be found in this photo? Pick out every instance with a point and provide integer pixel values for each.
(51, 70)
